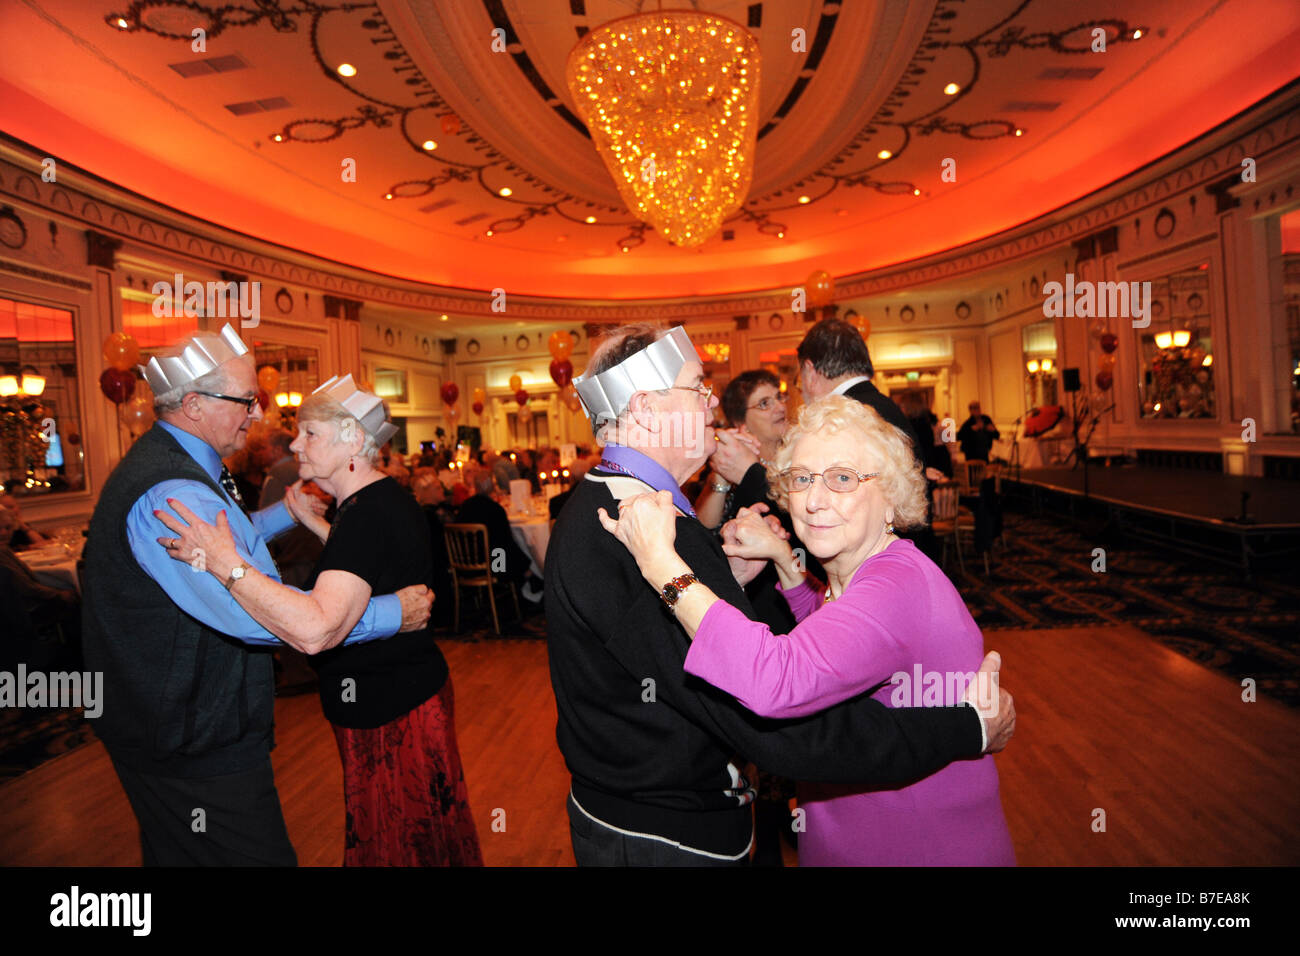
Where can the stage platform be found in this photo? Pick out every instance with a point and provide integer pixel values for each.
(1200, 512)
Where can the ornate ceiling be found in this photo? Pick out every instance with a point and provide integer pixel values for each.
(401, 167)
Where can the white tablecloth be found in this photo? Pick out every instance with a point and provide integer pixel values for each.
(53, 566)
(533, 535)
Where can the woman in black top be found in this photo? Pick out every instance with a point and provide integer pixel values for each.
(390, 701)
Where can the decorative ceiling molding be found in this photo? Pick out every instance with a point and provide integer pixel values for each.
(1273, 143)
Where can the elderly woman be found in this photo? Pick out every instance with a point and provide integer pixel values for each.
(887, 621)
(390, 701)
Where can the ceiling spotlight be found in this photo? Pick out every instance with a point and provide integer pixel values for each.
(591, 219)
(443, 318)
(1019, 131)
(388, 195)
(489, 233)
(952, 89)
(429, 144)
(780, 235)
(625, 249)
(278, 138)
(805, 199)
(916, 192)
(1137, 34)
(504, 191)
(347, 69)
(121, 23)
(884, 154)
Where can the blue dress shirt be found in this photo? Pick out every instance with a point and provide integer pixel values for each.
(199, 593)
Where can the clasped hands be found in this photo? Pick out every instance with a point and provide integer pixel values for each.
(647, 527)
(736, 454)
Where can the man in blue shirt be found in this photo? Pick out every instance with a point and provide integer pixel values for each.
(189, 686)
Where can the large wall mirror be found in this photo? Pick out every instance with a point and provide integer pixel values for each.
(1038, 345)
(41, 449)
(1176, 353)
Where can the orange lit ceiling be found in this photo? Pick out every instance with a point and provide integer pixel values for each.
(197, 130)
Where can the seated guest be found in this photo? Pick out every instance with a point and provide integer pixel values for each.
(480, 508)
(887, 613)
(390, 702)
(503, 469)
(577, 471)
(22, 535)
(44, 606)
(432, 499)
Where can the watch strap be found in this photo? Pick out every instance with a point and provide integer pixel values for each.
(671, 591)
(230, 581)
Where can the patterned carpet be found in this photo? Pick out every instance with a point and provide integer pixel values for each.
(1041, 578)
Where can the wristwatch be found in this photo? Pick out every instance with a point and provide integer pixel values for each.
(674, 588)
(237, 574)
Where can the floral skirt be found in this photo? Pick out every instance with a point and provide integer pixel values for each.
(405, 793)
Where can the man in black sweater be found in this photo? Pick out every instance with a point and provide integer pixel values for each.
(653, 752)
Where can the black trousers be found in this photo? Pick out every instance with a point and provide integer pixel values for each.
(231, 820)
(598, 845)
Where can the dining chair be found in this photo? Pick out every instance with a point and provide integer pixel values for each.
(943, 520)
(471, 567)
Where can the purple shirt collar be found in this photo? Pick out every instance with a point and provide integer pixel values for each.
(628, 461)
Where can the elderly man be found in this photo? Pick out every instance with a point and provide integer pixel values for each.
(652, 752)
(188, 713)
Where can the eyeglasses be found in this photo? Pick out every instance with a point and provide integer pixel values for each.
(705, 390)
(841, 480)
(768, 403)
(248, 403)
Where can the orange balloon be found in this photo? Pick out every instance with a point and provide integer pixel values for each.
(137, 413)
(268, 376)
(480, 396)
(561, 344)
(862, 324)
(121, 351)
(516, 383)
(571, 399)
(820, 287)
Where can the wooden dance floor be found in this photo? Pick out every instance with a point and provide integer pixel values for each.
(1109, 719)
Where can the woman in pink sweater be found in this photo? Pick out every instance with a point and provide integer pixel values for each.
(888, 621)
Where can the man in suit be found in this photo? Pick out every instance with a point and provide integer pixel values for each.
(481, 509)
(653, 753)
(977, 434)
(833, 360)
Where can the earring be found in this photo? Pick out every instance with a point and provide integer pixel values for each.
(352, 464)
(889, 526)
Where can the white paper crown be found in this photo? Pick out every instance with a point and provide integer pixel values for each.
(606, 396)
(198, 355)
(365, 407)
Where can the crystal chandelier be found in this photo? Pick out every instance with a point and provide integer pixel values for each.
(671, 99)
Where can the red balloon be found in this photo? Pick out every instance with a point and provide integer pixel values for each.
(450, 392)
(561, 372)
(1109, 342)
(263, 398)
(521, 396)
(478, 408)
(117, 385)
(1105, 380)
